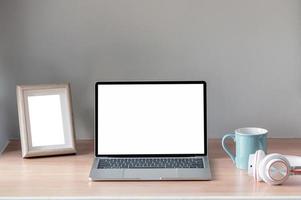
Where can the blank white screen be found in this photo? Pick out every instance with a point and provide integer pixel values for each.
(46, 122)
(150, 119)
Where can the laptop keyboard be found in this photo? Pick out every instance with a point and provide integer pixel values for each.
(147, 163)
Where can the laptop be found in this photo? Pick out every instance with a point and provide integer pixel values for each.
(151, 130)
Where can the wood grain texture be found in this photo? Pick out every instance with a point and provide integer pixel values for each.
(68, 176)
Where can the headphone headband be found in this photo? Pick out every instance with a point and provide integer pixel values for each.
(295, 161)
(296, 170)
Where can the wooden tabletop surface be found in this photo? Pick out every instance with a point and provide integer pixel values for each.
(68, 176)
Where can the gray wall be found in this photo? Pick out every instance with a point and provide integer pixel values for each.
(249, 52)
(7, 109)
(3, 97)
(7, 87)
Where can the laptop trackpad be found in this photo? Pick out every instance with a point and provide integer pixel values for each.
(150, 174)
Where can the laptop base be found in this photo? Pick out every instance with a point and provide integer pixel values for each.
(150, 174)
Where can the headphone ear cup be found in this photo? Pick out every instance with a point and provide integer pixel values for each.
(265, 166)
(258, 157)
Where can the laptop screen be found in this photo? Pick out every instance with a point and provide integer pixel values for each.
(150, 118)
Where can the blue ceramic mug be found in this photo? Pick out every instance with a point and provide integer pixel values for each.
(247, 141)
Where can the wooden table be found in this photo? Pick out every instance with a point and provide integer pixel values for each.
(64, 176)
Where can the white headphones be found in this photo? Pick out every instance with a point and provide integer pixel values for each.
(273, 169)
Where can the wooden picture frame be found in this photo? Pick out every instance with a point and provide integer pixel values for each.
(46, 120)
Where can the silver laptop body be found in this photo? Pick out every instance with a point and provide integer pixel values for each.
(150, 130)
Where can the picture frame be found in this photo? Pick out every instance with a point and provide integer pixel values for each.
(46, 120)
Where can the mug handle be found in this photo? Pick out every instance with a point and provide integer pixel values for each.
(261, 146)
(226, 148)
